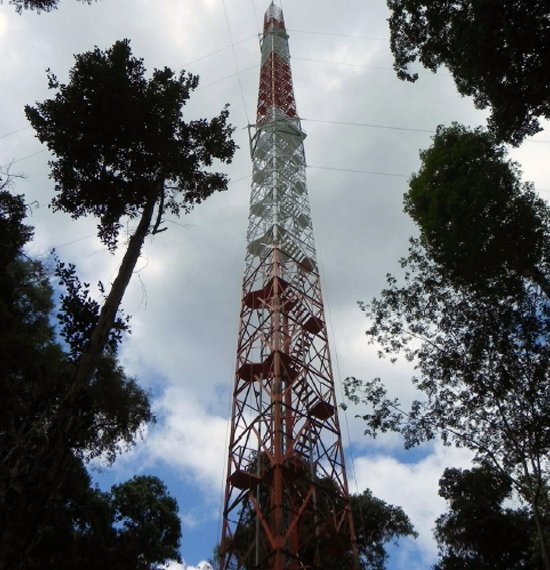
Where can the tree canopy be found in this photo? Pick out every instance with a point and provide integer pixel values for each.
(477, 219)
(477, 531)
(148, 528)
(50, 515)
(120, 140)
(479, 341)
(123, 149)
(376, 524)
(134, 526)
(498, 52)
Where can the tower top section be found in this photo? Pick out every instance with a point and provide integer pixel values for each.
(274, 19)
(276, 94)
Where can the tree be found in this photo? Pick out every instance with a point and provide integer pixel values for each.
(509, 78)
(480, 343)
(148, 528)
(477, 532)
(48, 510)
(13, 233)
(38, 5)
(135, 526)
(476, 217)
(376, 524)
(482, 365)
(122, 148)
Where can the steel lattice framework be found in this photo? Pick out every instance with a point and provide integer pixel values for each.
(286, 500)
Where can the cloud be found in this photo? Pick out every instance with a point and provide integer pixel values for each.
(412, 486)
(190, 438)
(203, 565)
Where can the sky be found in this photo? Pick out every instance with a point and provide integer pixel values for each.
(365, 129)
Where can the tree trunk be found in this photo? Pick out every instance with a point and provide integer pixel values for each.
(88, 362)
(540, 279)
(540, 535)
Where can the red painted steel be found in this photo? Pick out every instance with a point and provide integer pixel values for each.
(286, 501)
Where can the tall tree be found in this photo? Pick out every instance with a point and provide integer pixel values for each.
(497, 51)
(148, 528)
(122, 148)
(135, 526)
(479, 341)
(478, 532)
(34, 373)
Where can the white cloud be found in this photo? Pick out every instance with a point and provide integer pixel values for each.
(203, 565)
(174, 566)
(190, 438)
(412, 486)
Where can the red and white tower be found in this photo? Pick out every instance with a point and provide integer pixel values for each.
(286, 498)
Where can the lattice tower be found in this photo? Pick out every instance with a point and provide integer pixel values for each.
(286, 499)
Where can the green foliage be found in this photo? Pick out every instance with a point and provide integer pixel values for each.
(36, 372)
(497, 52)
(13, 233)
(472, 312)
(478, 532)
(38, 5)
(49, 514)
(120, 140)
(482, 364)
(122, 149)
(135, 526)
(376, 524)
(148, 527)
(109, 413)
(476, 218)
(26, 335)
(79, 313)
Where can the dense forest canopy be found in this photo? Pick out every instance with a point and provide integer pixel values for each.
(497, 52)
(472, 312)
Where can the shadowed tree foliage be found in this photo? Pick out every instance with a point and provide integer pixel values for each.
(479, 340)
(478, 532)
(476, 217)
(37, 5)
(34, 373)
(377, 524)
(14, 234)
(135, 526)
(49, 514)
(498, 52)
(482, 365)
(123, 150)
(146, 522)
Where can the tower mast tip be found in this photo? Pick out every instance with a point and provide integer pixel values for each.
(274, 18)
